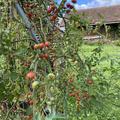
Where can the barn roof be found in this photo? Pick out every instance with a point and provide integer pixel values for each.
(107, 15)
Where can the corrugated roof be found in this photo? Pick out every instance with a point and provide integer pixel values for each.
(108, 15)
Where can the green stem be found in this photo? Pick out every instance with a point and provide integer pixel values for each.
(11, 109)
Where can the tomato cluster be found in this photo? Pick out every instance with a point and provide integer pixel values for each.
(28, 6)
(44, 49)
(41, 45)
(53, 11)
(75, 93)
(80, 95)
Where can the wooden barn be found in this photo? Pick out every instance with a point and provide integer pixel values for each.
(106, 19)
(102, 21)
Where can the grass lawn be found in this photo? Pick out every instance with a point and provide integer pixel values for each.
(110, 52)
(107, 50)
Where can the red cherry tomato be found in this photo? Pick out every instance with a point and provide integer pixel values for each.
(41, 45)
(30, 15)
(53, 18)
(46, 56)
(47, 44)
(49, 10)
(68, 5)
(30, 102)
(31, 75)
(36, 46)
(71, 7)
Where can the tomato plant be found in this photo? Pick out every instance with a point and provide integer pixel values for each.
(44, 73)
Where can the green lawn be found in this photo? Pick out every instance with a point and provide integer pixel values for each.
(107, 49)
(110, 52)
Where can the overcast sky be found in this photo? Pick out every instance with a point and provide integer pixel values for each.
(94, 3)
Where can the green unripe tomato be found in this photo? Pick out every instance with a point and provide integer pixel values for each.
(51, 76)
(35, 84)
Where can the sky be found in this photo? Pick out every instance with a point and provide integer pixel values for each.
(83, 4)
